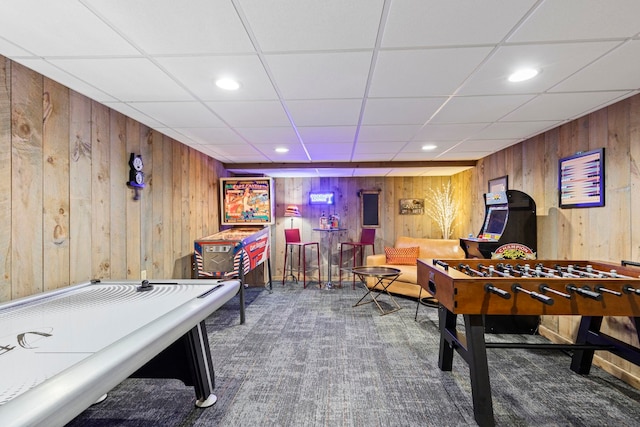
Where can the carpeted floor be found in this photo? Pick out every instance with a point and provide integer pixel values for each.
(306, 357)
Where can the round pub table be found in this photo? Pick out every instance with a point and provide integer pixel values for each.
(385, 277)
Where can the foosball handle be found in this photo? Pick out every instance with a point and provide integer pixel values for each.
(441, 264)
(628, 289)
(500, 292)
(585, 292)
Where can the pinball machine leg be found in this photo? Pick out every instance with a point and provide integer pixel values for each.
(476, 357)
(582, 359)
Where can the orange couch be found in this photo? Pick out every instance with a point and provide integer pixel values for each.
(407, 283)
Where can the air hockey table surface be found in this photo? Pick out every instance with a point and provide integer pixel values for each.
(87, 338)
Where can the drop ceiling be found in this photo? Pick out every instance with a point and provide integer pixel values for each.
(351, 88)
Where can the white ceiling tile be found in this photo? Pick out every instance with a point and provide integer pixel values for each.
(251, 113)
(428, 22)
(309, 79)
(324, 150)
(179, 114)
(485, 145)
(449, 132)
(316, 134)
(128, 111)
(325, 112)
(199, 73)
(126, 79)
(424, 72)
(60, 28)
(555, 62)
(54, 73)
(400, 111)
(516, 130)
(559, 106)
(479, 109)
(172, 27)
(320, 75)
(9, 49)
(441, 146)
(212, 136)
(297, 25)
(387, 133)
(269, 135)
(378, 147)
(580, 20)
(618, 70)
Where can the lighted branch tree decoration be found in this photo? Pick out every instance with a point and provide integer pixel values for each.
(442, 208)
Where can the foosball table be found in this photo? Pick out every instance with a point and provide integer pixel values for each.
(475, 288)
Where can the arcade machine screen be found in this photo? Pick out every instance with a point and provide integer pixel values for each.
(495, 222)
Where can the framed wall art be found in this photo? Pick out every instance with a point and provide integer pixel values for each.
(411, 206)
(581, 180)
(246, 201)
(498, 184)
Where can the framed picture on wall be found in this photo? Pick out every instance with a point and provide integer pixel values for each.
(246, 201)
(498, 184)
(581, 180)
(411, 206)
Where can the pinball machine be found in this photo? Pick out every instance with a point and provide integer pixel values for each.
(474, 288)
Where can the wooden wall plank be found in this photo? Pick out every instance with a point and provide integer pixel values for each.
(5, 179)
(26, 175)
(100, 192)
(146, 203)
(119, 194)
(166, 188)
(80, 187)
(55, 144)
(133, 207)
(156, 196)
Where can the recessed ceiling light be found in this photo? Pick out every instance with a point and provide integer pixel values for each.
(429, 147)
(523, 74)
(282, 150)
(227, 84)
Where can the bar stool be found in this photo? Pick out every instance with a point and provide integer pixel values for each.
(367, 238)
(292, 239)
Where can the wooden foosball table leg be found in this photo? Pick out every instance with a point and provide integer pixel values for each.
(472, 347)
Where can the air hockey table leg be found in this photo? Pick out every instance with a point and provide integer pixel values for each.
(188, 360)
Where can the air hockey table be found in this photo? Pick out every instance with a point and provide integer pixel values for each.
(62, 351)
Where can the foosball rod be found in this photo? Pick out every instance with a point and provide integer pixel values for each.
(508, 268)
(628, 289)
(488, 287)
(545, 288)
(585, 292)
(585, 273)
(611, 273)
(467, 269)
(600, 288)
(491, 269)
(536, 272)
(542, 298)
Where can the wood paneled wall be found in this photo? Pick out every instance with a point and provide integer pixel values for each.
(392, 224)
(610, 233)
(67, 214)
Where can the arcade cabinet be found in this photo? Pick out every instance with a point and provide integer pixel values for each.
(509, 231)
(510, 219)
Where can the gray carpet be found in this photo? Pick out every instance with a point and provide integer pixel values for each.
(306, 357)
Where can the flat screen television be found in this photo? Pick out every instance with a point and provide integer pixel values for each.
(581, 180)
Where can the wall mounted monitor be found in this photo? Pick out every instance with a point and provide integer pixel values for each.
(581, 180)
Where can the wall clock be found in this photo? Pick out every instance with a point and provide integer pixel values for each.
(136, 176)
